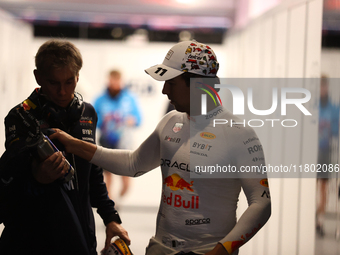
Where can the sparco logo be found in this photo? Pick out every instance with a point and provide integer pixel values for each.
(197, 221)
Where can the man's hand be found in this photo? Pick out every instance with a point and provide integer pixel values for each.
(75, 146)
(51, 169)
(63, 137)
(218, 250)
(115, 229)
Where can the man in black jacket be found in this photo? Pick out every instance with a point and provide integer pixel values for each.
(43, 213)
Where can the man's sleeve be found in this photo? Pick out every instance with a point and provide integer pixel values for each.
(127, 162)
(255, 216)
(16, 161)
(256, 191)
(19, 189)
(133, 163)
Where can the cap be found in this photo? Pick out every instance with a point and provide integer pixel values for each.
(186, 56)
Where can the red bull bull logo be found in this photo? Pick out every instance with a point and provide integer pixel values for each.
(86, 121)
(176, 182)
(28, 104)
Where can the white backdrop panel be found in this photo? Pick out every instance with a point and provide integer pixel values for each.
(310, 128)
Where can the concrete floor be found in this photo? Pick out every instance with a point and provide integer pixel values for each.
(329, 244)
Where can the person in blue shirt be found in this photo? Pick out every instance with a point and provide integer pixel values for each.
(118, 112)
(328, 130)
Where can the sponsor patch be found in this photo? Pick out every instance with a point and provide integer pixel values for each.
(85, 121)
(207, 135)
(177, 127)
(169, 54)
(172, 139)
(197, 221)
(264, 182)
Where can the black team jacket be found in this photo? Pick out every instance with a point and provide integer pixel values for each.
(54, 218)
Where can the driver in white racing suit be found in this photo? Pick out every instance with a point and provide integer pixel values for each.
(197, 213)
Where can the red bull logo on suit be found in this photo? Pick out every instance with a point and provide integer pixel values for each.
(176, 182)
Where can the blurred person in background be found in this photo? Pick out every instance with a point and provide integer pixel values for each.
(42, 211)
(328, 134)
(118, 112)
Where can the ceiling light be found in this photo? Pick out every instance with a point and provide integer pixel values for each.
(185, 35)
(117, 32)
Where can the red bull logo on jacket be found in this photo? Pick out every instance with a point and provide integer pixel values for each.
(28, 104)
(176, 182)
(85, 121)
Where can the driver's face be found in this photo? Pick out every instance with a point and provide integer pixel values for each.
(178, 93)
(58, 85)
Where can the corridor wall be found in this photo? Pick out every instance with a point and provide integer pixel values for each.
(16, 77)
(284, 43)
